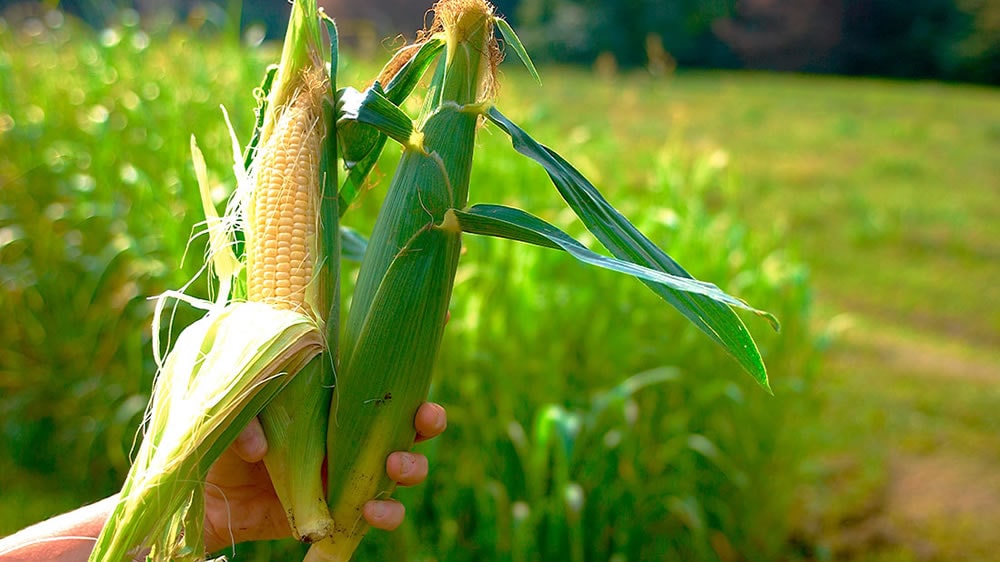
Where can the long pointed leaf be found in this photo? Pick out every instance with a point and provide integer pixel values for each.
(514, 42)
(625, 241)
(515, 224)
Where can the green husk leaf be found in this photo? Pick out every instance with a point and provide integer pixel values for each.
(330, 232)
(301, 51)
(217, 377)
(176, 545)
(295, 425)
(623, 239)
(220, 247)
(261, 93)
(331, 31)
(403, 82)
(357, 140)
(387, 374)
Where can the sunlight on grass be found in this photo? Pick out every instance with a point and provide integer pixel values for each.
(886, 190)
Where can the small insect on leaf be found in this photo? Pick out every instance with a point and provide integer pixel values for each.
(380, 401)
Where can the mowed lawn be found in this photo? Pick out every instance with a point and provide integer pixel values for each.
(890, 192)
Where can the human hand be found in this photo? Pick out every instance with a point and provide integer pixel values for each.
(241, 505)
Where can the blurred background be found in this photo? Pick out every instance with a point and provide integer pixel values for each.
(834, 162)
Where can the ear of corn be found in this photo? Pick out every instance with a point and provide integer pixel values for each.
(282, 219)
(292, 262)
(398, 309)
(227, 366)
(390, 340)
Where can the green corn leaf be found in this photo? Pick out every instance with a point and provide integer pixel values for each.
(512, 39)
(623, 239)
(372, 108)
(367, 146)
(630, 386)
(352, 244)
(515, 224)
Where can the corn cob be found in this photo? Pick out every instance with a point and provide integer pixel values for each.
(282, 218)
(282, 270)
(292, 265)
(398, 309)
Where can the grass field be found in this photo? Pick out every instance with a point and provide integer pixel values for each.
(889, 192)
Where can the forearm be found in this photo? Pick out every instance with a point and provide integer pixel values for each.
(65, 538)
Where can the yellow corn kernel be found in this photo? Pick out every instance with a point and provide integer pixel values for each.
(281, 233)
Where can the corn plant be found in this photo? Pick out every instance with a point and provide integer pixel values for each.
(396, 320)
(270, 341)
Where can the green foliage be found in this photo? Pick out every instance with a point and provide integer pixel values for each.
(579, 30)
(98, 203)
(904, 39)
(945, 39)
(542, 460)
(652, 476)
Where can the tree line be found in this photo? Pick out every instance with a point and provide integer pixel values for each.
(942, 39)
(939, 39)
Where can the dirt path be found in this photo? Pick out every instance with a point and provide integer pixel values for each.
(944, 507)
(940, 496)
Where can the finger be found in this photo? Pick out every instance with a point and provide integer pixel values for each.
(407, 469)
(430, 421)
(251, 445)
(385, 515)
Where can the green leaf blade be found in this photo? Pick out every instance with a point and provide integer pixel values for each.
(515, 224)
(352, 244)
(362, 145)
(716, 319)
(514, 41)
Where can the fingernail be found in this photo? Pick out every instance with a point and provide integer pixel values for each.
(406, 464)
(378, 510)
(442, 418)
